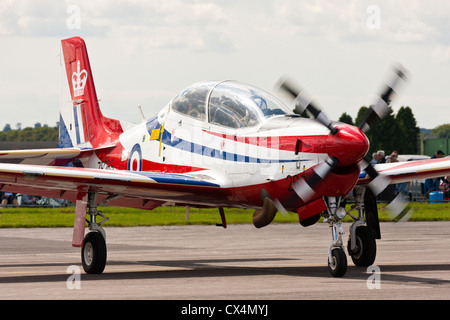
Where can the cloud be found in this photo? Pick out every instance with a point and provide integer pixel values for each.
(161, 46)
(212, 25)
(158, 24)
(441, 54)
(45, 18)
(400, 21)
(171, 24)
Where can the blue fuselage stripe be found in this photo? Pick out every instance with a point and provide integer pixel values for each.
(176, 142)
(173, 178)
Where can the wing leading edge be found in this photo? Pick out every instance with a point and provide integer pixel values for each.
(50, 156)
(145, 190)
(400, 172)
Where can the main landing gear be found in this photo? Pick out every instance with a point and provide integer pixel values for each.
(93, 251)
(361, 245)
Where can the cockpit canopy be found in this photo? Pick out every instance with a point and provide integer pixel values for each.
(228, 103)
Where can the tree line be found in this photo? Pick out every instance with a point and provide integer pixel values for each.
(38, 133)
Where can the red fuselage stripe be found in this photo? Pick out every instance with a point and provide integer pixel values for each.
(309, 144)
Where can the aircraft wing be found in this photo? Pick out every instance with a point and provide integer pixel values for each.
(48, 156)
(400, 172)
(144, 190)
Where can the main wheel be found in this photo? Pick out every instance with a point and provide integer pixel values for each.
(93, 253)
(338, 265)
(366, 247)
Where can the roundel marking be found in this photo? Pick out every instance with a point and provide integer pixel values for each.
(135, 159)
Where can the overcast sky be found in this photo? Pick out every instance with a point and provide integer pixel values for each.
(145, 52)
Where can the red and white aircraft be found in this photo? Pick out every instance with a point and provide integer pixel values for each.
(216, 144)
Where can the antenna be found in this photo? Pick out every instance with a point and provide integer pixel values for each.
(142, 113)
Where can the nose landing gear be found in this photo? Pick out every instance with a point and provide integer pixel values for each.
(361, 243)
(337, 261)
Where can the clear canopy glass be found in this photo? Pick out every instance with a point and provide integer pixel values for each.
(228, 103)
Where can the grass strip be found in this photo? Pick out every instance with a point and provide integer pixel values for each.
(127, 217)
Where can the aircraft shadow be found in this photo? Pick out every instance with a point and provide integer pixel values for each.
(215, 268)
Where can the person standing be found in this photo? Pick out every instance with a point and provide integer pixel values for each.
(393, 157)
(381, 156)
(374, 158)
(432, 184)
(9, 198)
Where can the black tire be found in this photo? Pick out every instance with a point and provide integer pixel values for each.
(366, 248)
(93, 253)
(338, 267)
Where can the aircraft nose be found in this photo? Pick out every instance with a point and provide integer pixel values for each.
(349, 145)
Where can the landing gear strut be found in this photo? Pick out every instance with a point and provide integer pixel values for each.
(93, 252)
(361, 243)
(337, 261)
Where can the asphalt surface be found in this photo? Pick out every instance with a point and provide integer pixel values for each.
(278, 262)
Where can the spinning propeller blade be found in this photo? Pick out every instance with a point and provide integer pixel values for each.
(266, 214)
(306, 189)
(377, 112)
(280, 208)
(379, 182)
(399, 208)
(380, 108)
(303, 102)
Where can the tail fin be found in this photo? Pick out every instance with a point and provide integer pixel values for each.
(82, 123)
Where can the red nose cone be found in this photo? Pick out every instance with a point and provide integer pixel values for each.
(349, 145)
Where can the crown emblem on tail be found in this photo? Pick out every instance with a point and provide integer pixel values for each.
(79, 81)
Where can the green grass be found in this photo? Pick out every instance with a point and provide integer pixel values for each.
(419, 211)
(64, 217)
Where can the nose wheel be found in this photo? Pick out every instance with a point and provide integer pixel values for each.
(337, 265)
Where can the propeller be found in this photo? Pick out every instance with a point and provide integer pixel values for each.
(380, 108)
(303, 102)
(378, 181)
(399, 208)
(306, 189)
(377, 111)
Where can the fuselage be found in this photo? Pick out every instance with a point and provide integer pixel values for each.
(257, 143)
